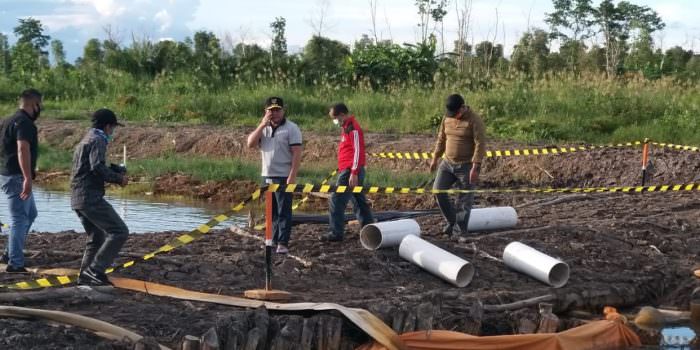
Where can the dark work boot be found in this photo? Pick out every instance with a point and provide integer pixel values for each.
(448, 229)
(89, 277)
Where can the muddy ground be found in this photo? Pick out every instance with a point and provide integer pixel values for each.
(624, 250)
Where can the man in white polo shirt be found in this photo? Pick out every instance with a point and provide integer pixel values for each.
(280, 144)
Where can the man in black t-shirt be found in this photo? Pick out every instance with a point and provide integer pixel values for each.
(18, 154)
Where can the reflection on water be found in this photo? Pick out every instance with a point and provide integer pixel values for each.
(677, 337)
(140, 215)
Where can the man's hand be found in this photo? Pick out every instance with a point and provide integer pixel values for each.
(354, 180)
(26, 189)
(434, 165)
(474, 174)
(291, 179)
(266, 118)
(125, 181)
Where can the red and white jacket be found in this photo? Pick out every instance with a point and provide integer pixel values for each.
(351, 150)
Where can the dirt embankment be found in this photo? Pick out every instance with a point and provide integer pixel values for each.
(606, 167)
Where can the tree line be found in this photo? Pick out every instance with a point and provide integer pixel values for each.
(611, 39)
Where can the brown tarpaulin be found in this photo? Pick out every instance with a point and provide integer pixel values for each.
(592, 336)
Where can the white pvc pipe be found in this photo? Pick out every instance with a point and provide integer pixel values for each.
(437, 261)
(497, 218)
(388, 233)
(536, 264)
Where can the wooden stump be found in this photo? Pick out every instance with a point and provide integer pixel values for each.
(190, 342)
(210, 340)
(258, 330)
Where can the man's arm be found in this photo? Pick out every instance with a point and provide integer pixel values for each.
(439, 146)
(295, 145)
(98, 166)
(25, 164)
(296, 162)
(479, 132)
(254, 137)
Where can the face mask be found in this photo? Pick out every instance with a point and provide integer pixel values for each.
(37, 112)
(111, 136)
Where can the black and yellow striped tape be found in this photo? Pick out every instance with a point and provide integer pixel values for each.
(509, 153)
(677, 147)
(197, 233)
(303, 200)
(309, 188)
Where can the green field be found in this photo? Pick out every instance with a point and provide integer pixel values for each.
(213, 169)
(584, 109)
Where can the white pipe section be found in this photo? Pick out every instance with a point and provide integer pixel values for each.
(536, 264)
(437, 261)
(388, 233)
(496, 218)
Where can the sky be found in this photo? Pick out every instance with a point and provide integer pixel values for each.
(76, 21)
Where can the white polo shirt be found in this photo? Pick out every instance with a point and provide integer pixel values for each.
(276, 148)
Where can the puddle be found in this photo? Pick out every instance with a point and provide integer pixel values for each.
(677, 337)
(140, 215)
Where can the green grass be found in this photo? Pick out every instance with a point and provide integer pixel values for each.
(554, 109)
(222, 169)
(54, 159)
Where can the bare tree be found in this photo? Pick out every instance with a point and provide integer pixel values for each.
(113, 34)
(388, 25)
(493, 46)
(463, 21)
(424, 14)
(244, 34)
(373, 16)
(318, 23)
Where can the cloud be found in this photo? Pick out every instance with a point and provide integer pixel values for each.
(105, 8)
(76, 21)
(164, 18)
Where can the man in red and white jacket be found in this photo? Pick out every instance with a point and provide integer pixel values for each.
(351, 172)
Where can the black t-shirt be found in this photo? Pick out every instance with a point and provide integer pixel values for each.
(17, 127)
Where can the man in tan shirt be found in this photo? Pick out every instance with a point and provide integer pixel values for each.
(462, 139)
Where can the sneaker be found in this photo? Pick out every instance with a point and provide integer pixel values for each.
(282, 249)
(4, 259)
(89, 277)
(448, 229)
(12, 269)
(330, 237)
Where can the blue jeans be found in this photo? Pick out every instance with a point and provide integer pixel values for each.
(448, 175)
(22, 215)
(281, 212)
(339, 201)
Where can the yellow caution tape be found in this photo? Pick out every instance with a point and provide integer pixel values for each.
(677, 147)
(510, 152)
(308, 188)
(301, 201)
(199, 232)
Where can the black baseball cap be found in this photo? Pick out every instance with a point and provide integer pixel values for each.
(453, 104)
(104, 116)
(274, 102)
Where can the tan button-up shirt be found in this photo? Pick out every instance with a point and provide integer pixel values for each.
(462, 139)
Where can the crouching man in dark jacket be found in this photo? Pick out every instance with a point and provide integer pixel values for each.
(106, 232)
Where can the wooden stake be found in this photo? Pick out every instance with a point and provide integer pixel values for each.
(645, 161)
(268, 293)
